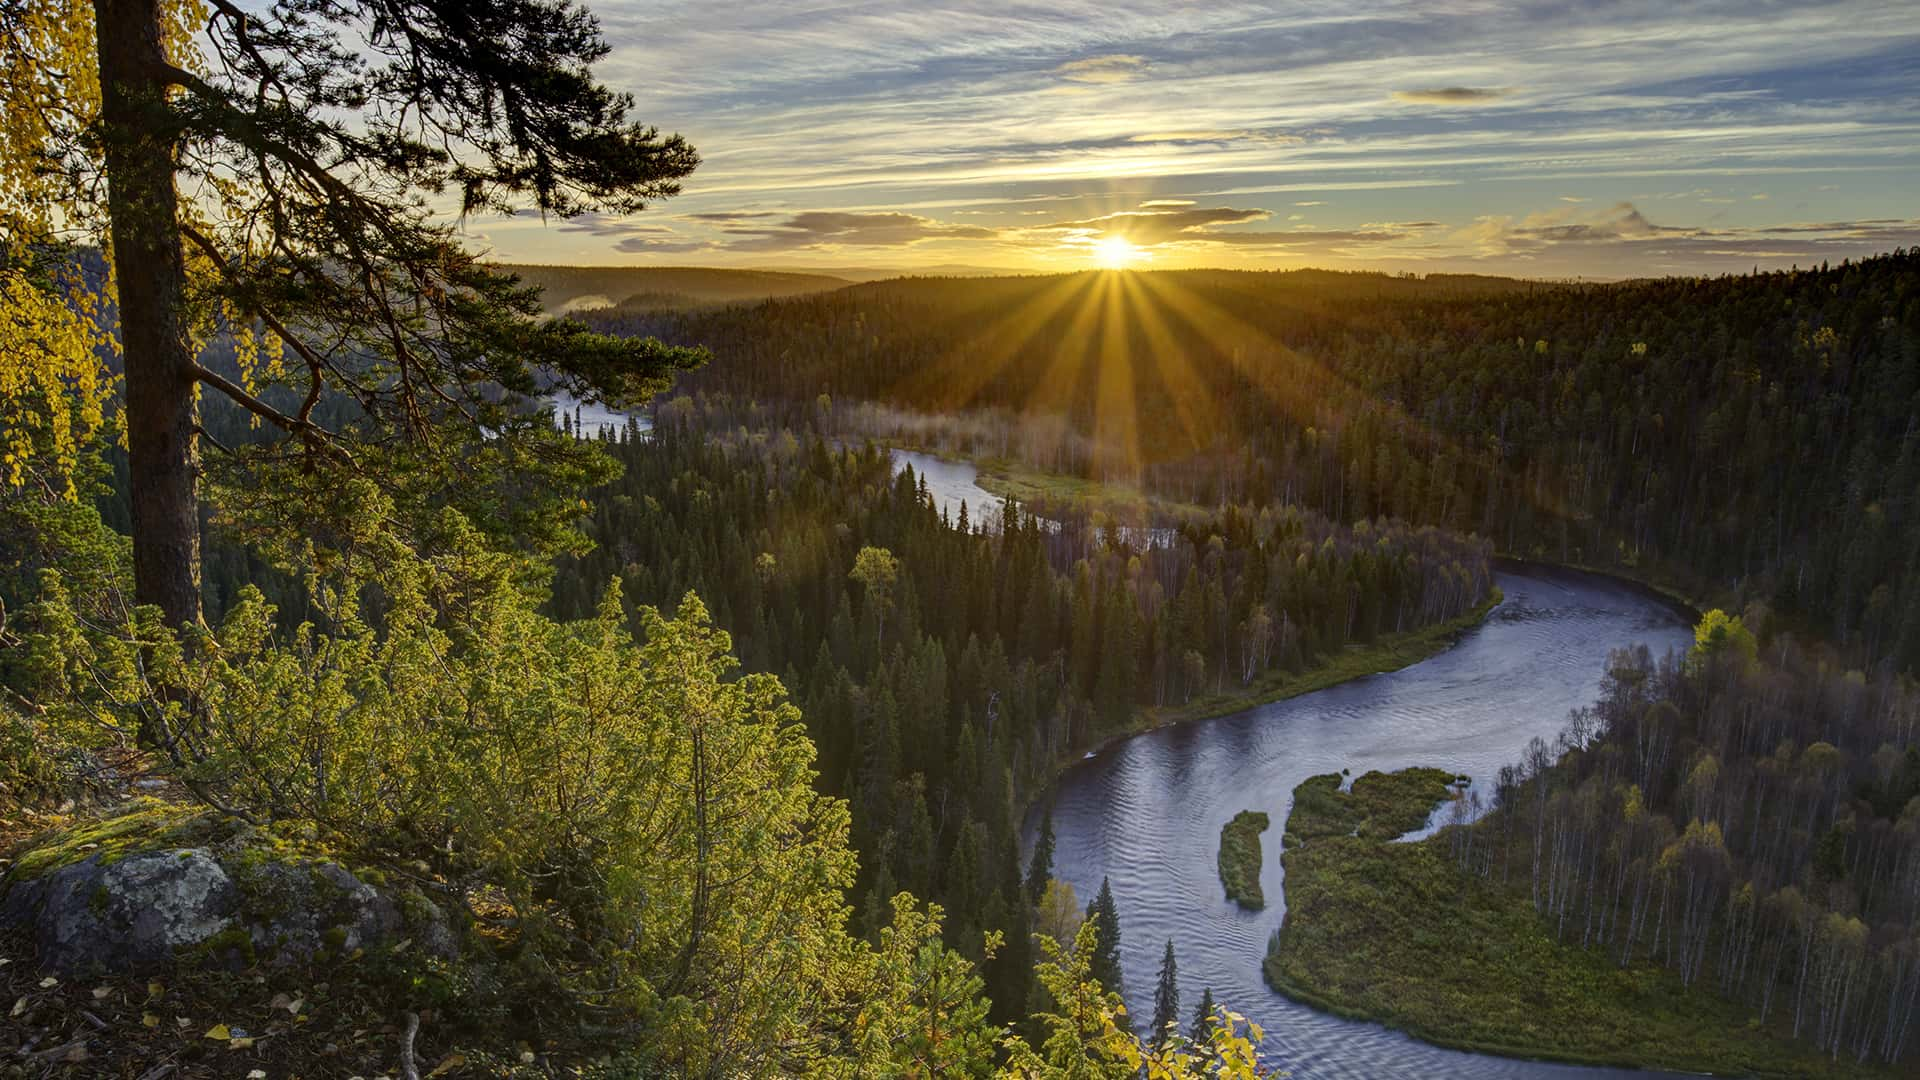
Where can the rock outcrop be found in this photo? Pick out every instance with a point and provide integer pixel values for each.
(141, 912)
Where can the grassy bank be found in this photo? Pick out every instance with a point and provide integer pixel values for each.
(1389, 652)
(1397, 934)
(1240, 858)
(1380, 806)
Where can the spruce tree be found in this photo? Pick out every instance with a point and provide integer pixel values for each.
(1105, 965)
(1203, 1019)
(1040, 868)
(1166, 1000)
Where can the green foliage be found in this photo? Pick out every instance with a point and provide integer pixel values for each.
(946, 672)
(1720, 636)
(648, 819)
(1400, 934)
(1166, 1001)
(1040, 864)
(1103, 921)
(1086, 1039)
(1240, 858)
(1379, 806)
(922, 1012)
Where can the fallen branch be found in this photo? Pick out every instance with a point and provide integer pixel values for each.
(407, 1067)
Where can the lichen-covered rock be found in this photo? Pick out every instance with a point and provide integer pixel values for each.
(297, 911)
(144, 911)
(135, 913)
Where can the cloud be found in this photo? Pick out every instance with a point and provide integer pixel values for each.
(1218, 135)
(829, 228)
(1151, 227)
(1621, 237)
(732, 215)
(1112, 68)
(632, 237)
(607, 225)
(1165, 204)
(1451, 95)
(1494, 235)
(1622, 221)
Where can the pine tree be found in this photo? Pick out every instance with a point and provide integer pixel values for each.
(1203, 1019)
(1040, 868)
(1105, 964)
(315, 232)
(1166, 1000)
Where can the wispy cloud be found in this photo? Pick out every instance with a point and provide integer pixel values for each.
(1113, 68)
(822, 229)
(1211, 226)
(1451, 95)
(927, 121)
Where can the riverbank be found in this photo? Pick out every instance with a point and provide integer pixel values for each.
(1389, 652)
(1398, 935)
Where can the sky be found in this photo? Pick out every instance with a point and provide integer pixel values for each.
(1599, 139)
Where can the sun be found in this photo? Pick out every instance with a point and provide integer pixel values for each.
(1116, 252)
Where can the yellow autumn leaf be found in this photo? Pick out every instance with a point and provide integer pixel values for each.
(149, 1020)
(240, 1043)
(451, 1061)
(220, 1032)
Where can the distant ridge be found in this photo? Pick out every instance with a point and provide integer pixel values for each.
(572, 288)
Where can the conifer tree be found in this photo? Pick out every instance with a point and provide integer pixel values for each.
(1166, 1000)
(1203, 1019)
(1040, 868)
(237, 202)
(1106, 925)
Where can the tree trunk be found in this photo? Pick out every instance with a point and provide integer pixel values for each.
(150, 275)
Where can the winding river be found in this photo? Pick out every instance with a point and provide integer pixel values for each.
(1146, 813)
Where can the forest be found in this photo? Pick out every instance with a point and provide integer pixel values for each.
(1733, 833)
(945, 668)
(1745, 438)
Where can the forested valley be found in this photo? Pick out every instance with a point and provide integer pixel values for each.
(1748, 437)
(946, 668)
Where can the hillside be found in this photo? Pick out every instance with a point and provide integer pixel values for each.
(571, 288)
(1747, 439)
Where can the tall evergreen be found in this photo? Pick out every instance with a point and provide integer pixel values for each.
(1203, 1019)
(1166, 1000)
(1040, 868)
(1105, 965)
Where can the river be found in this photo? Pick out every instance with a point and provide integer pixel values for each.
(1146, 813)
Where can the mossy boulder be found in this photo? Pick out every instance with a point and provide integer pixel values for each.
(141, 904)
